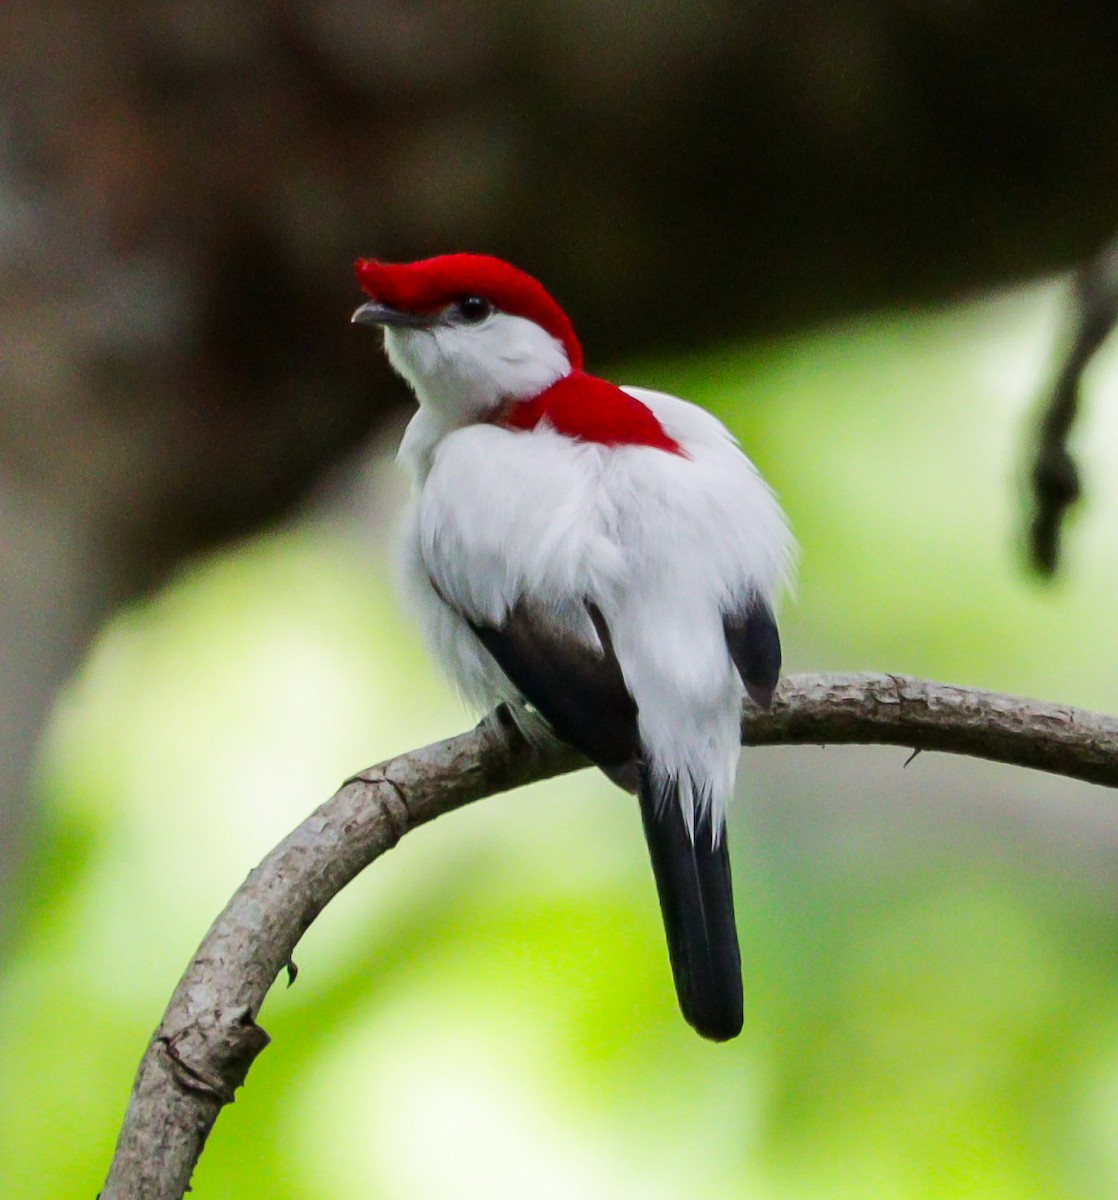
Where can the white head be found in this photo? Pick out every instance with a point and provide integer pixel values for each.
(468, 332)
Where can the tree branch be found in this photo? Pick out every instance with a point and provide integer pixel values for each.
(1055, 477)
(208, 1038)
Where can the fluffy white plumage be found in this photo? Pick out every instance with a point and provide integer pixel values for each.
(663, 544)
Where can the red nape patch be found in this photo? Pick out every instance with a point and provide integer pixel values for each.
(432, 283)
(588, 409)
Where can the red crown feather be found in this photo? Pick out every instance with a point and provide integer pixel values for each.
(432, 283)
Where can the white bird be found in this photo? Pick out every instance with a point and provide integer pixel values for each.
(605, 555)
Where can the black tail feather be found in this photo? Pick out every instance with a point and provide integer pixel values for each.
(697, 902)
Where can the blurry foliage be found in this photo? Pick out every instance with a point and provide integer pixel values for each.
(931, 954)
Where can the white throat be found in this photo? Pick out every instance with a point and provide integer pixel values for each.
(462, 374)
(466, 371)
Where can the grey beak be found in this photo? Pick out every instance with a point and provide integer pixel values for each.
(375, 313)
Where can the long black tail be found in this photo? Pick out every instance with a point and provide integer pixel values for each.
(697, 901)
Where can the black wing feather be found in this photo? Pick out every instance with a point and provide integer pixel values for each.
(578, 690)
(754, 644)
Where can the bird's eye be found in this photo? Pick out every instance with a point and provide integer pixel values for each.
(473, 309)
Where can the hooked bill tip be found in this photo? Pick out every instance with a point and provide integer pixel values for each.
(370, 313)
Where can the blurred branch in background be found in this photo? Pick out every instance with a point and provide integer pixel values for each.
(208, 1038)
(1055, 476)
(183, 187)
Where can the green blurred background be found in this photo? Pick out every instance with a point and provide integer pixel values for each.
(931, 953)
(197, 512)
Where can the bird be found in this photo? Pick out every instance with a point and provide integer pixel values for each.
(603, 560)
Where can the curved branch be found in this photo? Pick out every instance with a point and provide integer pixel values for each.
(209, 1038)
(896, 710)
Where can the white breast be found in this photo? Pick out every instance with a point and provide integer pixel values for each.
(663, 544)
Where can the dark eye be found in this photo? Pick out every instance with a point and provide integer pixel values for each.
(473, 309)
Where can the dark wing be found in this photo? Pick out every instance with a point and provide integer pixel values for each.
(580, 690)
(577, 688)
(754, 645)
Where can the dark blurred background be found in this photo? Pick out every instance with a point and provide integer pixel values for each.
(184, 186)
